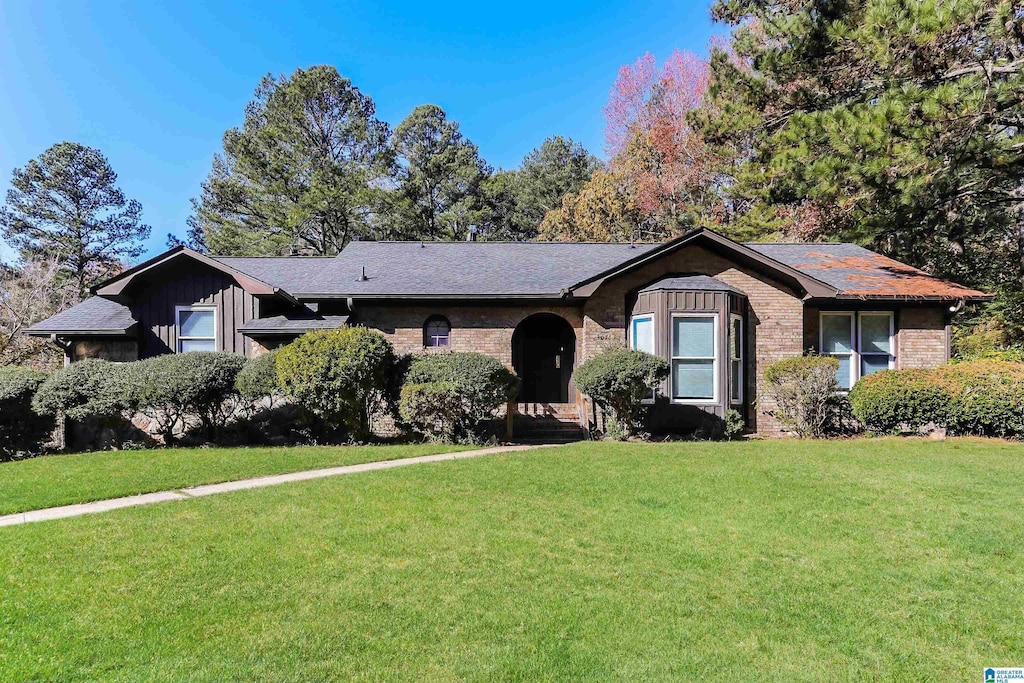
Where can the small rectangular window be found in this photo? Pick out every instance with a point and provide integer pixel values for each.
(875, 342)
(641, 338)
(694, 358)
(196, 328)
(837, 340)
(736, 358)
(643, 333)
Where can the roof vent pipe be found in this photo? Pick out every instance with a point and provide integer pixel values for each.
(362, 274)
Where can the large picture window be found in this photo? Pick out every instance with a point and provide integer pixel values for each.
(694, 358)
(196, 327)
(862, 341)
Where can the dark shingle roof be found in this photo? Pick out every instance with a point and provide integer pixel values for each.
(857, 271)
(97, 315)
(293, 324)
(701, 282)
(442, 268)
(291, 273)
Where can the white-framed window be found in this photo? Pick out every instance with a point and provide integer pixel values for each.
(641, 338)
(875, 342)
(735, 358)
(196, 328)
(437, 332)
(695, 358)
(862, 341)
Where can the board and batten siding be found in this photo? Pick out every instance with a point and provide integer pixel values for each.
(662, 304)
(154, 308)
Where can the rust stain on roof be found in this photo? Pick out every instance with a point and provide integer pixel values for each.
(878, 275)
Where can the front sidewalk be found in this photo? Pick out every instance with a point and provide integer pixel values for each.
(241, 484)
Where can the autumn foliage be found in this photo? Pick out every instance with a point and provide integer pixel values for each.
(661, 178)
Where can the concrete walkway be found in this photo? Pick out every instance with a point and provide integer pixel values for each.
(241, 484)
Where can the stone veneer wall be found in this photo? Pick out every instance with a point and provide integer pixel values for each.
(774, 326)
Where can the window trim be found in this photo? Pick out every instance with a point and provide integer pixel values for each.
(855, 341)
(631, 338)
(715, 360)
(178, 338)
(892, 338)
(436, 317)
(742, 360)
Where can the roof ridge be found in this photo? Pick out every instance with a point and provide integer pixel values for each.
(480, 242)
(267, 256)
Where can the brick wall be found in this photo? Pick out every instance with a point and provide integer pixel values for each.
(485, 329)
(774, 327)
(921, 340)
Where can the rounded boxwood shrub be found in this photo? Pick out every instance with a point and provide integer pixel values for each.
(22, 430)
(987, 397)
(181, 391)
(804, 391)
(342, 375)
(482, 383)
(618, 380)
(258, 379)
(435, 409)
(892, 401)
(87, 388)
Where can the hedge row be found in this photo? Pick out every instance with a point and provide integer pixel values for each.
(983, 397)
(338, 379)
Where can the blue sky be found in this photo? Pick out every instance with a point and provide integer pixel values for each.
(154, 87)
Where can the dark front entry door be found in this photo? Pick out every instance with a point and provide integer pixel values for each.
(543, 354)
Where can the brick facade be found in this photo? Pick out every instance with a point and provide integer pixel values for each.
(922, 340)
(485, 329)
(778, 325)
(774, 325)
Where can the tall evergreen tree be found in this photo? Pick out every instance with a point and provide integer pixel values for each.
(519, 199)
(65, 206)
(439, 195)
(893, 123)
(304, 172)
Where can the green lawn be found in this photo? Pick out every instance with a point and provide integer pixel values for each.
(768, 561)
(64, 479)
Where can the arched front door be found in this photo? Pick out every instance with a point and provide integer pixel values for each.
(543, 353)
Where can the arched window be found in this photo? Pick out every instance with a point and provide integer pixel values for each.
(437, 332)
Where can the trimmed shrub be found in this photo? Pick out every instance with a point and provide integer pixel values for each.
(341, 376)
(482, 383)
(893, 401)
(804, 391)
(258, 379)
(22, 430)
(618, 380)
(987, 397)
(87, 388)
(181, 391)
(435, 409)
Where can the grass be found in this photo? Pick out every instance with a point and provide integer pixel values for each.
(769, 561)
(65, 479)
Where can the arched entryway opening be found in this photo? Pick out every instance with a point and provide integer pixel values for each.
(543, 354)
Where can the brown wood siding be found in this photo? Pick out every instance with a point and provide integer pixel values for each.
(669, 416)
(188, 285)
